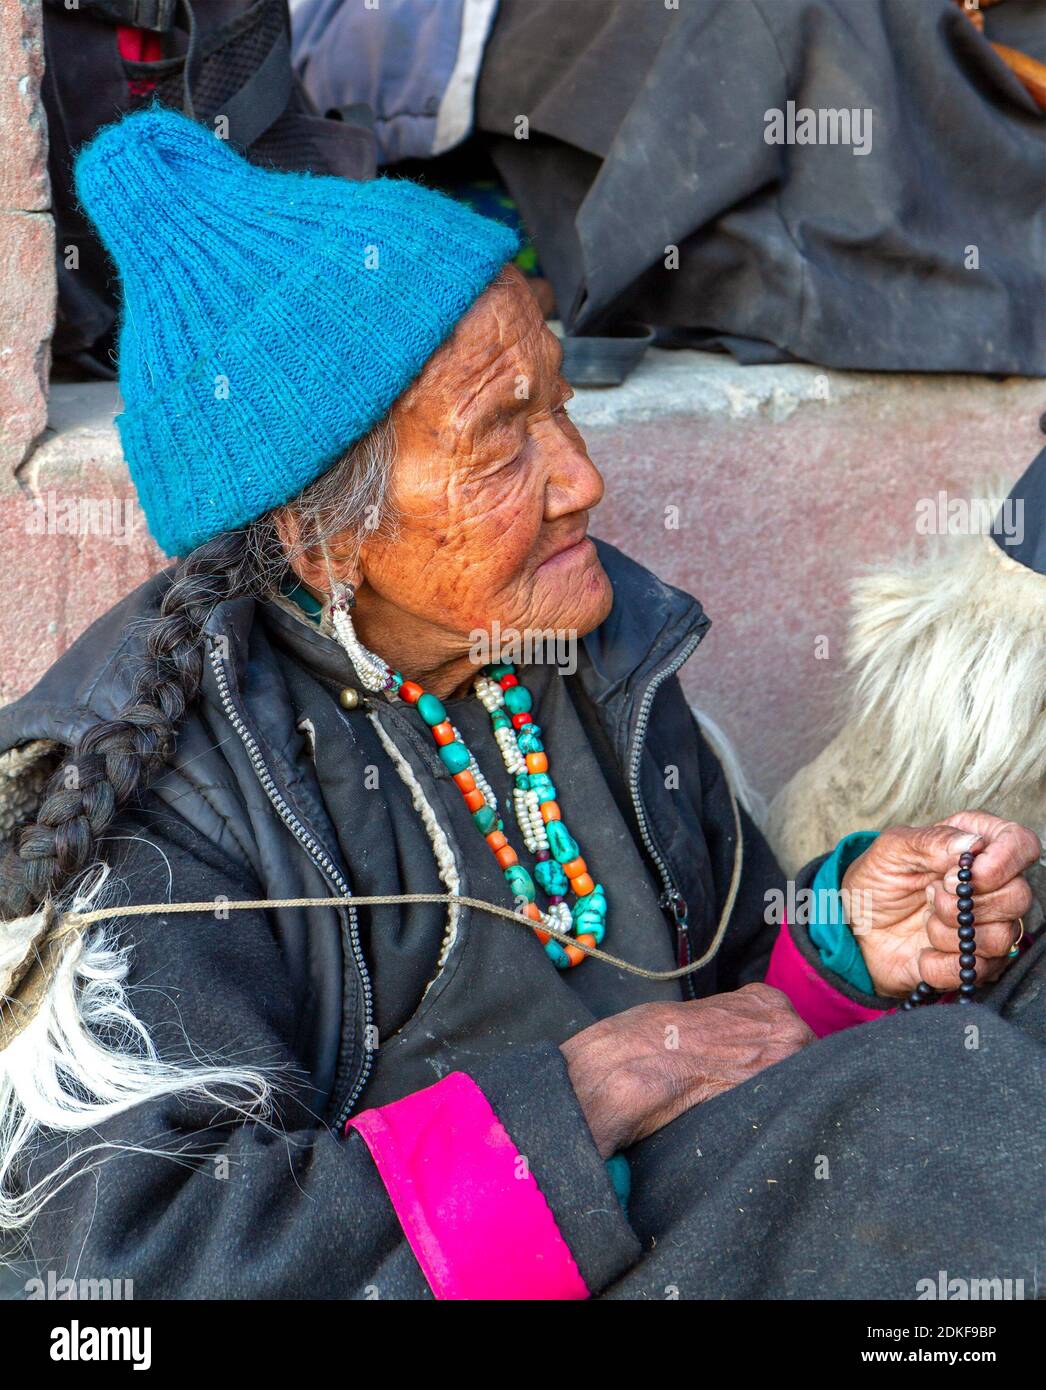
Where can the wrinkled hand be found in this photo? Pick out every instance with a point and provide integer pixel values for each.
(637, 1070)
(905, 918)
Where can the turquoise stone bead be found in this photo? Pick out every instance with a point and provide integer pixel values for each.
(520, 882)
(534, 729)
(560, 841)
(590, 914)
(557, 955)
(551, 877)
(485, 818)
(500, 720)
(517, 699)
(455, 756)
(541, 783)
(431, 709)
(597, 930)
(529, 743)
(592, 903)
(504, 668)
(523, 781)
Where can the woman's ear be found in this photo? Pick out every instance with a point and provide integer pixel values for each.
(289, 531)
(315, 565)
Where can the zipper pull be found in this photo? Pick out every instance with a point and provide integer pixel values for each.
(672, 901)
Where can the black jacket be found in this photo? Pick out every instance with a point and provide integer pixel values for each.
(647, 130)
(292, 1209)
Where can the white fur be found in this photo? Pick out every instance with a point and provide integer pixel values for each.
(951, 656)
(84, 1058)
(949, 704)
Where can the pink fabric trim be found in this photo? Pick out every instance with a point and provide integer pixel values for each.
(475, 1218)
(825, 1009)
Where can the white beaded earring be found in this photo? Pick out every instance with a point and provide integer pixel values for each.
(374, 673)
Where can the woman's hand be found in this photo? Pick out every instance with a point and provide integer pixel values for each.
(905, 918)
(637, 1070)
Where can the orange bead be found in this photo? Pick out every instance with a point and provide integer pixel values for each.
(586, 939)
(506, 856)
(443, 733)
(542, 936)
(582, 885)
(573, 867)
(411, 691)
(465, 781)
(574, 955)
(475, 799)
(534, 913)
(496, 840)
(550, 811)
(537, 762)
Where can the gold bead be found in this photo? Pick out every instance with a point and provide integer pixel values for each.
(349, 698)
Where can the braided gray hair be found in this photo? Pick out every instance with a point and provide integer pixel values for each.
(84, 1056)
(114, 759)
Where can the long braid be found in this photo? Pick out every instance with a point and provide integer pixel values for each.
(68, 1071)
(114, 759)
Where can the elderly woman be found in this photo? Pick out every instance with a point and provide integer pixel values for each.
(471, 947)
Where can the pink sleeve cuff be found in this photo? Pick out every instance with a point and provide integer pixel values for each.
(475, 1218)
(822, 1007)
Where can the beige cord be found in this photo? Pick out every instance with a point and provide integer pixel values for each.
(76, 921)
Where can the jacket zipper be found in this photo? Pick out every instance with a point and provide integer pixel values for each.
(320, 857)
(671, 899)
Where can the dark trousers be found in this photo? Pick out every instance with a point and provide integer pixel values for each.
(862, 1167)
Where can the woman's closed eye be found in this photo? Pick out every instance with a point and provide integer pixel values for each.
(558, 411)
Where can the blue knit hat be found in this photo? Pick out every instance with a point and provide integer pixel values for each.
(269, 319)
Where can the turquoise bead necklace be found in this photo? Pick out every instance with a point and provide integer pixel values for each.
(559, 866)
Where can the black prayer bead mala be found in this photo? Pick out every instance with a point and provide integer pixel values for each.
(926, 994)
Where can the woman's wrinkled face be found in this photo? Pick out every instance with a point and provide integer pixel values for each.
(492, 486)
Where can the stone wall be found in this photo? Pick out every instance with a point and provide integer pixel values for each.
(27, 275)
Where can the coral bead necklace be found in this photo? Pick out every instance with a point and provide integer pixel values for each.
(558, 862)
(558, 867)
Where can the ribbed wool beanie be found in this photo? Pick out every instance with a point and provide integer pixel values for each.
(269, 320)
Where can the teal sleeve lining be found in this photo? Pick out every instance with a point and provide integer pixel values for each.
(621, 1177)
(828, 929)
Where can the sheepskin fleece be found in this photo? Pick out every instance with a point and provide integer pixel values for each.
(948, 708)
